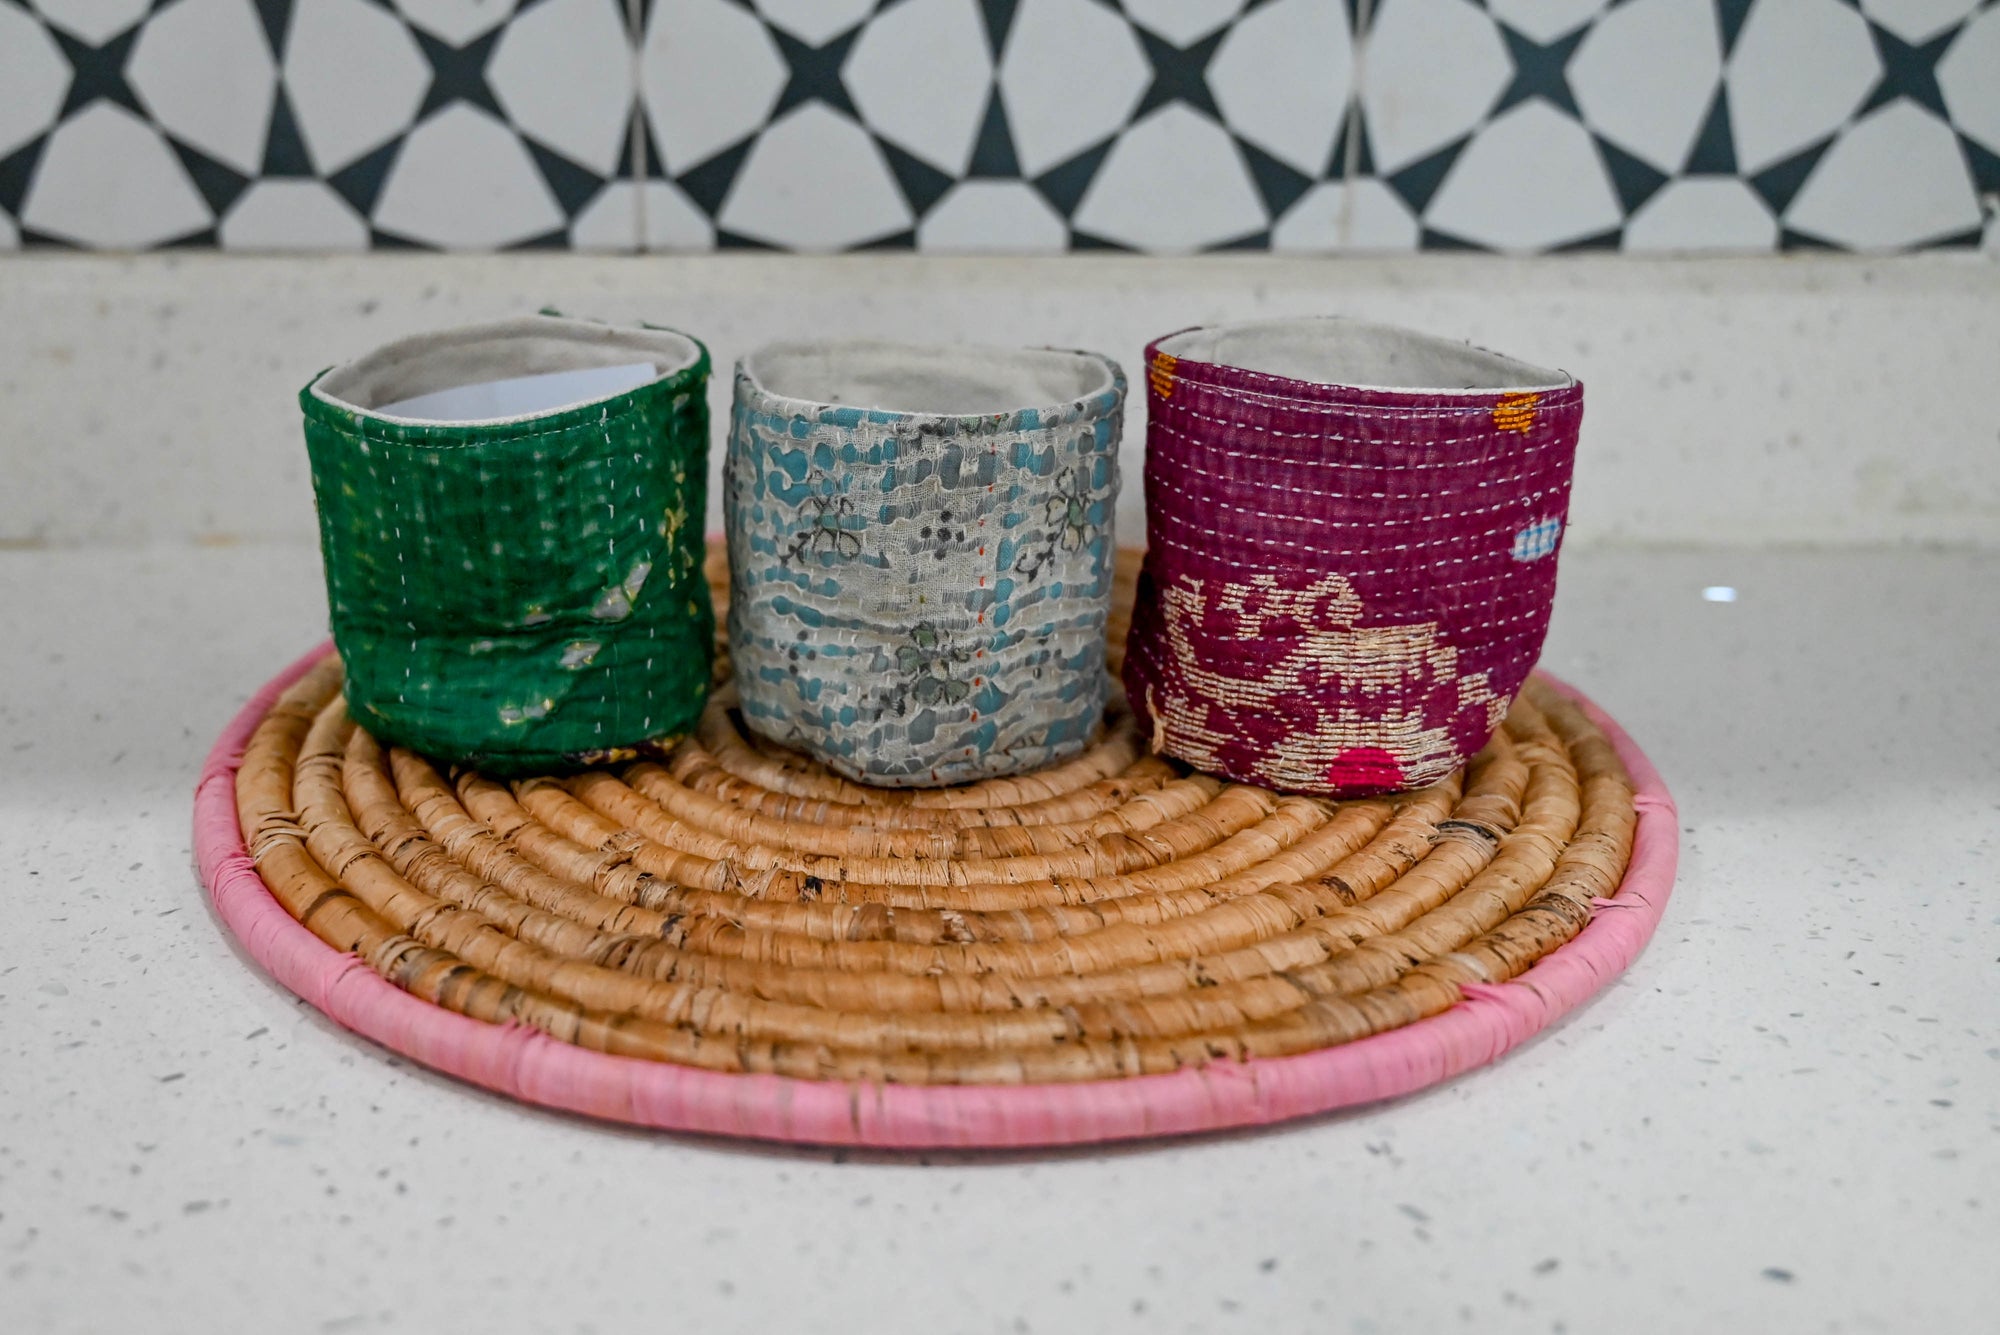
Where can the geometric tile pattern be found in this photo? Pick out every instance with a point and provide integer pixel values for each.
(313, 124)
(1035, 126)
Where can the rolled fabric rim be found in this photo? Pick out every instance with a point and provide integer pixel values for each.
(1353, 531)
(921, 553)
(521, 590)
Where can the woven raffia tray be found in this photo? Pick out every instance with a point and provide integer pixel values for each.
(737, 941)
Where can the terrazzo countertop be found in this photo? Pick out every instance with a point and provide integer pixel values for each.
(1785, 1117)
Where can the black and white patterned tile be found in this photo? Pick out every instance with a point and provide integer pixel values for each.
(1008, 125)
(1731, 125)
(1000, 125)
(314, 124)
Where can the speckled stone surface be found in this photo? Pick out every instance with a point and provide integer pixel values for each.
(1786, 1117)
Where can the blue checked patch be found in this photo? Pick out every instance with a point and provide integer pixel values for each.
(1537, 540)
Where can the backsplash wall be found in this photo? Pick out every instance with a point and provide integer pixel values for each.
(1000, 125)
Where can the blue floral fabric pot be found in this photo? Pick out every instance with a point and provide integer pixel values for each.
(920, 554)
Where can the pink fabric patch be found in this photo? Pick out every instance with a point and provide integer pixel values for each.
(1365, 768)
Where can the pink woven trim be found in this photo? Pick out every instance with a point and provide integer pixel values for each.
(528, 1065)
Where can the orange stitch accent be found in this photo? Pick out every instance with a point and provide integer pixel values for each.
(1515, 412)
(1160, 375)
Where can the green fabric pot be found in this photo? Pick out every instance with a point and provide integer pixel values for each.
(523, 593)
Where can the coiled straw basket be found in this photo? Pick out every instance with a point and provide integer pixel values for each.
(740, 941)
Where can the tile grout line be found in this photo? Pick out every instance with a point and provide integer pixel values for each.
(1364, 15)
(635, 164)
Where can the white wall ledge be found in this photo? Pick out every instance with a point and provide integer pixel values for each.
(1789, 401)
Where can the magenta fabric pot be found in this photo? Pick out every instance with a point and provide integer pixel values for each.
(1352, 536)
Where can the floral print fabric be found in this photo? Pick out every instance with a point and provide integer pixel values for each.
(1344, 586)
(920, 599)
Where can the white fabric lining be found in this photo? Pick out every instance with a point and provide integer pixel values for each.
(1335, 350)
(524, 395)
(501, 350)
(925, 379)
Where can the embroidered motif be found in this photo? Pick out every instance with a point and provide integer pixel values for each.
(1067, 514)
(829, 525)
(1160, 374)
(1515, 412)
(1327, 702)
(926, 662)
